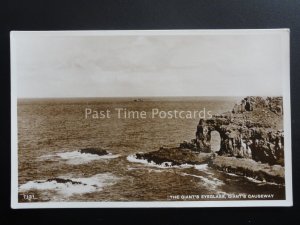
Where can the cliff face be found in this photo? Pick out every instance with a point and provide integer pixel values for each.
(253, 129)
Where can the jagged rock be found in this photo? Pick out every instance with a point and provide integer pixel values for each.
(176, 156)
(95, 151)
(189, 145)
(252, 142)
(275, 104)
(252, 130)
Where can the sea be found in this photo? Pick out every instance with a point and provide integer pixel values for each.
(51, 133)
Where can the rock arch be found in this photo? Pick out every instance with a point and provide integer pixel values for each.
(249, 133)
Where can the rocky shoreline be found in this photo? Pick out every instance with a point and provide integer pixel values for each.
(249, 168)
(251, 142)
(175, 157)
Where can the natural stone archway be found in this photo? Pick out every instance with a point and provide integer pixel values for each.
(251, 137)
(231, 138)
(250, 130)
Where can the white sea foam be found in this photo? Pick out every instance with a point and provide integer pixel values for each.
(86, 185)
(76, 157)
(254, 180)
(232, 174)
(259, 182)
(132, 158)
(132, 168)
(210, 182)
(201, 167)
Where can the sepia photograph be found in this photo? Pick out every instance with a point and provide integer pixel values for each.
(161, 118)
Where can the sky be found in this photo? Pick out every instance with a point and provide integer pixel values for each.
(66, 64)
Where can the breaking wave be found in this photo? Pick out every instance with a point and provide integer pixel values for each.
(253, 180)
(201, 167)
(67, 187)
(76, 157)
(260, 182)
(209, 182)
(132, 158)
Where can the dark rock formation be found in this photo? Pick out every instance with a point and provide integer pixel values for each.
(249, 168)
(63, 181)
(176, 156)
(253, 129)
(95, 151)
(275, 105)
(252, 141)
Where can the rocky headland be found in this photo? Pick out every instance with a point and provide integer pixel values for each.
(251, 141)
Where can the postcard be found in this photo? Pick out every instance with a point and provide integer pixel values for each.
(150, 118)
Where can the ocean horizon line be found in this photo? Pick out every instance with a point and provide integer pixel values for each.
(131, 98)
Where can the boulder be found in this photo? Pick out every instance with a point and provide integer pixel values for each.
(63, 181)
(95, 151)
